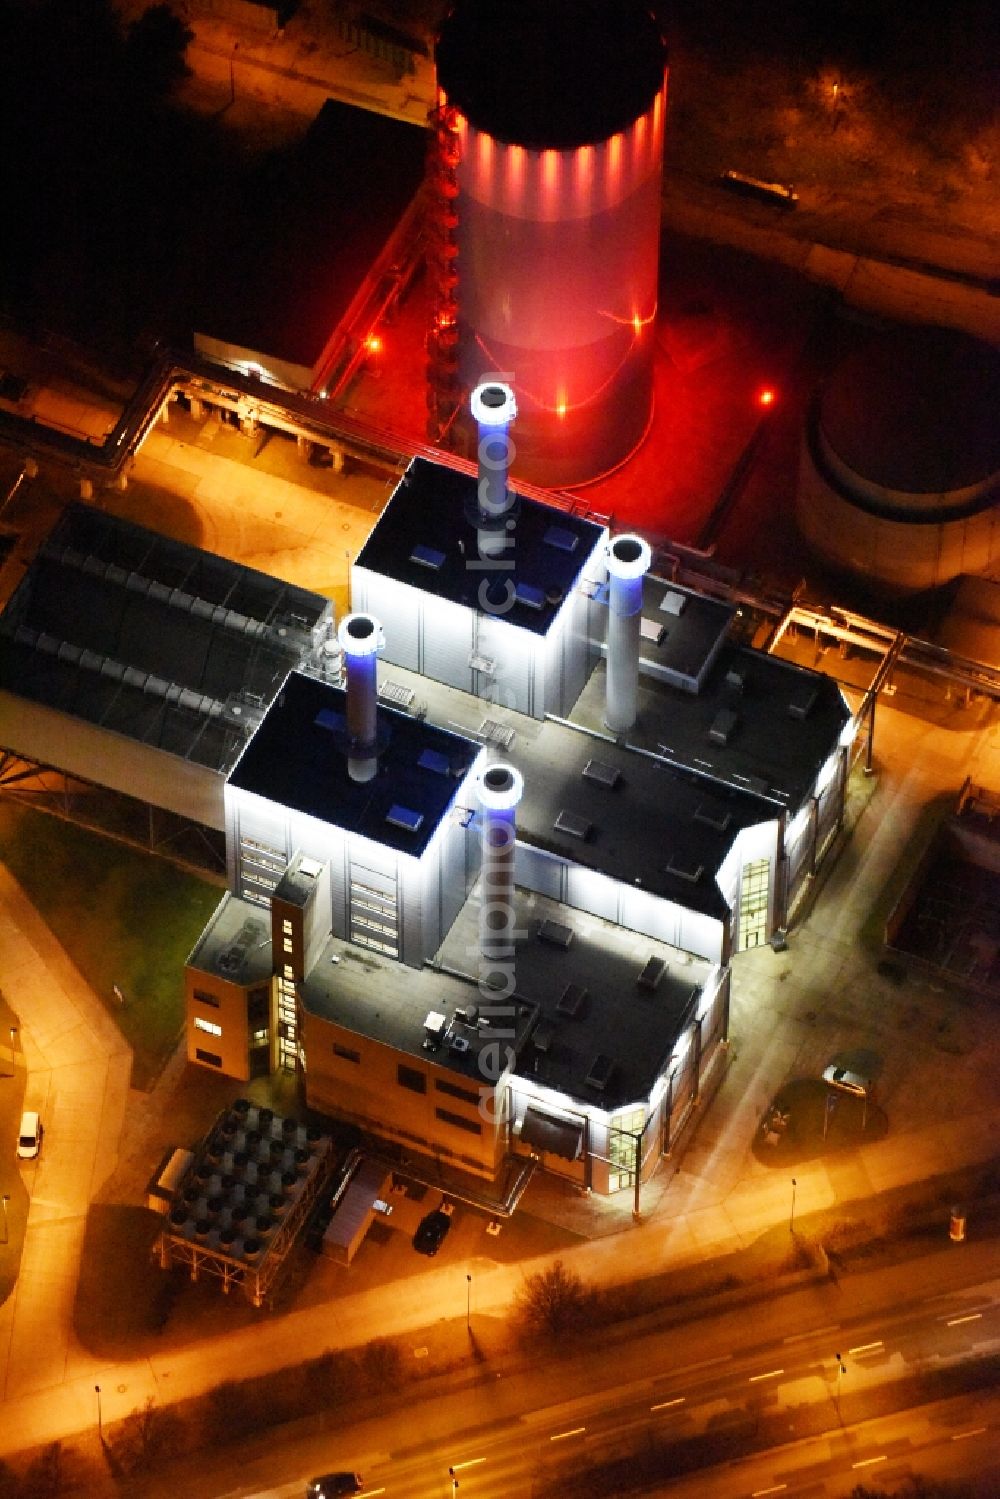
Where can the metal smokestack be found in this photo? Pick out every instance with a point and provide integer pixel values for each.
(499, 788)
(629, 558)
(360, 639)
(494, 408)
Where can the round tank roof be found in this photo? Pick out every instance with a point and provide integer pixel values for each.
(915, 411)
(550, 74)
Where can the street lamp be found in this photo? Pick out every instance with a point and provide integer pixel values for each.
(6, 1199)
(791, 1220)
(454, 1480)
(13, 1038)
(841, 1369)
(100, 1427)
(468, 1303)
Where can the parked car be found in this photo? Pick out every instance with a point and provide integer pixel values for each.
(330, 1485)
(29, 1136)
(431, 1232)
(846, 1081)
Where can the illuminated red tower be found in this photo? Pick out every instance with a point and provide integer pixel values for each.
(550, 123)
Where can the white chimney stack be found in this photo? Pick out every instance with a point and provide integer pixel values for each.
(629, 558)
(361, 639)
(499, 788)
(493, 408)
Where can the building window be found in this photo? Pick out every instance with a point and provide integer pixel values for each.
(207, 999)
(209, 1057)
(454, 1091)
(260, 1038)
(286, 945)
(459, 1121)
(258, 1006)
(412, 1078)
(208, 1026)
(289, 971)
(286, 927)
(346, 1053)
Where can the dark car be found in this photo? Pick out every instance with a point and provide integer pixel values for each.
(329, 1485)
(431, 1231)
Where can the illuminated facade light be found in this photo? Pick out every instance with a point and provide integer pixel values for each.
(766, 396)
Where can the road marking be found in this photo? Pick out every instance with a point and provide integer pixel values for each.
(771, 1374)
(972, 1317)
(819, 1332)
(370, 1493)
(961, 1436)
(706, 1363)
(471, 1462)
(665, 1405)
(775, 1488)
(869, 1462)
(562, 1435)
(867, 1347)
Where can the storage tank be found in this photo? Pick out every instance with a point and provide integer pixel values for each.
(899, 480)
(544, 245)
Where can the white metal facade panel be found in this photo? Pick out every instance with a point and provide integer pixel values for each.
(513, 652)
(397, 609)
(446, 642)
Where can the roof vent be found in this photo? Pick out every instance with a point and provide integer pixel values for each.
(528, 594)
(571, 1000)
(802, 704)
(691, 872)
(651, 629)
(723, 726)
(425, 556)
(310, 868)
(576, 827)
(434, 760)
(713, 817)
(673, 603)
(600, 1072)
(561, 539)
(405, 818)
(543, 1036)
(496, 733)
(459, 1044)
(555, 933)
(652, 972)
(736, 678)
(601, 772)
(435, 1024)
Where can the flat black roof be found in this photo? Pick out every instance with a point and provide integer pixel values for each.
(310, 233)
(159, 641)
(386, 1001)
(236, 944)
(297, 759)
(428, 509)
(631, 817)
(759, 724)
(550, 73)
(607, 1012)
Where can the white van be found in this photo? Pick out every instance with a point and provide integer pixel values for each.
(29, 1136)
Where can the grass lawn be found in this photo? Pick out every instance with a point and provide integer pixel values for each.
(124, 918)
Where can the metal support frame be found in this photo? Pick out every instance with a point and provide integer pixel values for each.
(258, 1279)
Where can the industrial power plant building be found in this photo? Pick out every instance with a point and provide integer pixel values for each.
(639, 795)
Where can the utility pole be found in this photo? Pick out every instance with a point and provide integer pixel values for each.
(100, 1425)
(791, 1220)
(468, 1303)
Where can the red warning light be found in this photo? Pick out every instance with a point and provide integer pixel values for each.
(373, 343)
(766, 397)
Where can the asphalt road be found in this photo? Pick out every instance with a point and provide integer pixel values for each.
(742, 1403)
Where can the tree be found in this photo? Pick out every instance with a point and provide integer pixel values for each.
(144, 1436)
(155, 45)
(553, 1301)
